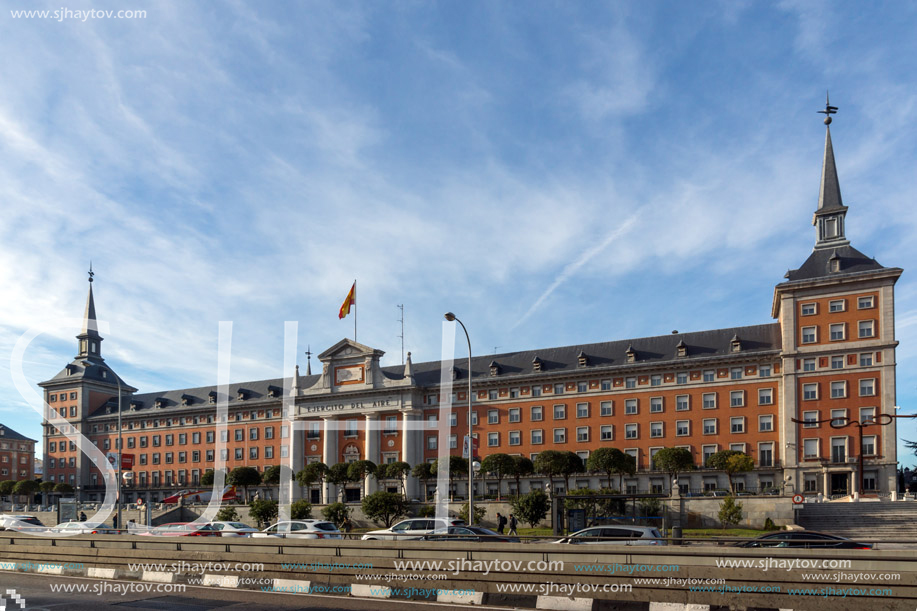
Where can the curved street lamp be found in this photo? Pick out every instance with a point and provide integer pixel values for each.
(452, 317)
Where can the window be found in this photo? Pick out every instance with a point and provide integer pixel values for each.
(810, 392)
(106, 444)
(391, 425)
(431, 442)
(765, 423)
(630, 431)
(560, 412)
(284, 434)
(837, 362)
(143, 442)
(707, 452)
(491, 394)
(810, 448)
(682, 428)
(52, 446)
(737, 424)
(867, 414)
(269, 452)
(239, 434)
(515, 438)
(709, 426)
(582, 387)
(838, 449)
(537, 414)
(810, 420)
(837, 305)
(182, 457)
(474, 418)
(837, 331)
(537, 437)
(681, 378)
(253, 434)
(866, 328)
(737, 398)
(73, 411)
(558, 389)
(156, 441)
(453, 419)
(605, 408)
(453, 441)
(513, 393)
(130, 442)
(809, 335)
(868, 387)
(709, 400)
(630, 406)
(432, 421)
(838, 389)
(765, 396)
(560, 435)
(170, 439)
(808, 364)
(682, 403)
(656, 429)
(582, 433)
(630, 382)
(865, 303)
(735, 373)
(709, 375)
(764, 371)
(582, 410)
(766, 454)
(155, 458)
(493, 416)
(838, 417)
(737, 447)
(808, 309)
(866, 359)
(314, 431)
(493, 440)
(183, 438)
(606, 384)
(515, 414)
(536, 391)
(606, 432)
(656, 380)
(869, 445)
(350, 428)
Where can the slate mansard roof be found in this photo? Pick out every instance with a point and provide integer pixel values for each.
(606, 358)
(8, 433)
(852, 261)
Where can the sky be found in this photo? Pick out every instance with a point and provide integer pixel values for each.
(555, 173)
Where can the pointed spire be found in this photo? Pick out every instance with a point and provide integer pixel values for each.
(829, 193)
(309, 362)
(294, 387)
(89, 338)
(829, 217)
(409, 369)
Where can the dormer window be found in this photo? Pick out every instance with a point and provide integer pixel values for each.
(536, 364)
(242, 394)
(104, 374)
(187, 400)
(273, 391)
(212, 397)
(631, 355)
(681, 350)
(159, 403)
(735, 344)
(834, 263)
(494, 368)
(455, 373)
(581, 359)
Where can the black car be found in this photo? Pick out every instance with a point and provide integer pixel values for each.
(805, 539)
(468, 533)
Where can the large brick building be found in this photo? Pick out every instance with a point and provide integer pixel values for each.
(829, 355)
(17, 455)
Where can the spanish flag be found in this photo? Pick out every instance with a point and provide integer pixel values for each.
(351, 300)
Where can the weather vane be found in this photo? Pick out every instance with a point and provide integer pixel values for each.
(829, 110)
(91, 273)
(309, 352)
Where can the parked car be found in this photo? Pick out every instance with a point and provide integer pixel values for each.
(414, 528)
(804, 539)
(621, 535)
(233, 529)
(301, 529)
(8, 522)
(468, 533)
(718, 492)
(84, 528)
(182, 529)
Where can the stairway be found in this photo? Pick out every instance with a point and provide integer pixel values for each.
(864, 520)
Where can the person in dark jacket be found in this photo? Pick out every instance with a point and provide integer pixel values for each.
(513, 523)
(501, 523)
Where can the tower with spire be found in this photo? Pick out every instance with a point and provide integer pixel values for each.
(836, 314)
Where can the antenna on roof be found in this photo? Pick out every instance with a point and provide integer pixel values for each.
(401, 307)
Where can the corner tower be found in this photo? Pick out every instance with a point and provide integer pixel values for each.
(837, 320)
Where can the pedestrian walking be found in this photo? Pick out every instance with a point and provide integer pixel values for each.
(513, 523)
(501, 523)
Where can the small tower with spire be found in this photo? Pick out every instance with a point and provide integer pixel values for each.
(89, 339)
(829, 217)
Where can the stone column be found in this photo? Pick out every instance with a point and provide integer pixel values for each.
(371, 450)
(409, 454)
(330, 453)
(296, 460)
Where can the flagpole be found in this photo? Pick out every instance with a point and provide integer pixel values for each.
(354, 309)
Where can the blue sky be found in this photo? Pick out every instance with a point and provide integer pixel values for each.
(554, 173)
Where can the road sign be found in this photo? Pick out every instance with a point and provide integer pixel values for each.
(798, 499)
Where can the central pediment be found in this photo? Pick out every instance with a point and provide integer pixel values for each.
(349, 349)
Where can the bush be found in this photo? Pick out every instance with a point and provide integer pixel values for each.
(300, 510)
(337, 513)
(769, 525)
(227, 514)
(531, 508)
(263, 510)
(478, 514)
(427, 511)
(730, 512)
(384, 507)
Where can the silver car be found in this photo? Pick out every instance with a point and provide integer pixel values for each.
(301, 529)
(621, 535)
(233, 529)
(84, 528)
(414, 528)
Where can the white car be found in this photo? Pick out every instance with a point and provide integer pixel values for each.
(84, 528)
(301, 529)
(614, 534)
(415, 528)
(233, 529)
(9, 522)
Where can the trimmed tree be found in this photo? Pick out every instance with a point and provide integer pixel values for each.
(478, 514)
(424, 472)
(723, 461)
(397, 470)
(337, 513)
(673, 461)
(611, 461)
(358, 470)
(339, 475)
(500, 464)
(263, 510)
(522, 467)
(556, 463)
(384, 507)
(730, 512)
(300, 510)
(227, 513)
(456, 465)
(244, 477)
(313, 473)
(532, 507)
(59, 488)
(271, 475)
(46, 489)
(26, 488)
(6, 487)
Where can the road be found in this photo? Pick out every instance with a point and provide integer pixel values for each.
(36, 590)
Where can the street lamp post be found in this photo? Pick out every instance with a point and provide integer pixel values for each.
(120, 451)
(452, 317)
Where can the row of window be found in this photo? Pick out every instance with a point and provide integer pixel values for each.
(238, 435)
(22, 472)
(839, 417)
(838, 388)
(23, 447)
(23, 460)
(63, 397)
(838, 331)
(811, 448)
(182, 457)
(838, 305)
(838, 361)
